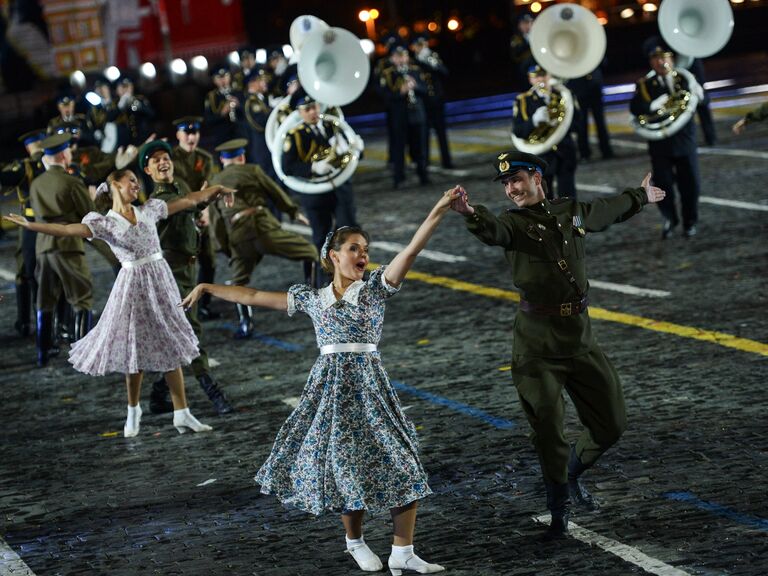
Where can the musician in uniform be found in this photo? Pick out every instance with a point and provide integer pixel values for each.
(194, 166)
(553, 345)
(135, 114)
(247, 63)
(257, 111)
(520, 50)
(674, 159)
(327, 210)
(403, 88)
(16, 178)
(65, 103)
(588, 91)
(59, 197)
(223, 106)
(179, 239)
(532, 112)
(434, 72)
(252, 230)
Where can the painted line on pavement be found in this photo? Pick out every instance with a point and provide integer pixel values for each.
(625, 552)
(629, 289)
(720, 510)
(11, 563)
(291, 401)
(7, 275)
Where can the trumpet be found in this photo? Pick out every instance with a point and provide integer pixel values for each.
(408, 79)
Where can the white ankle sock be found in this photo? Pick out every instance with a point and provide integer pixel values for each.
(402, 552)
(356, 541)
(405, 557)
(133, 409)
(364, 556)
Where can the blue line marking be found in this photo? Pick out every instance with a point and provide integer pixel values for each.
(457, 406)
(269, 340)
(719, 510)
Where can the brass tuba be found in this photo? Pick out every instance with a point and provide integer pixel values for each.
(674, 114)
(568, 41)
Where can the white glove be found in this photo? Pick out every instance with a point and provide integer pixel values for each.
(541, 116)
(659, 102)
(125, 101)
(321, 168)
(339, 144)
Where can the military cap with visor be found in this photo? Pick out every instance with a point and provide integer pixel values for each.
(55, 143)
(232, 148)
(511, 162)
(188, 123)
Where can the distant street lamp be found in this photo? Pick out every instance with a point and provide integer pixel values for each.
(368, 17)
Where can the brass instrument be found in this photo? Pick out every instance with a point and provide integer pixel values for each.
(404, 72)
(674, 114)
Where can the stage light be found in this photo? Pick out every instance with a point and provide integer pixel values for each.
(178, 66)
(148, 70)
(112, 73)
(200, 63)
(364, 15)
(77, 78)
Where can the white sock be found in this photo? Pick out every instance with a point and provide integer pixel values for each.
(404, 557)
(402, 552)
(364, 556)
(355, 542)
(182, 412)
(133, 409)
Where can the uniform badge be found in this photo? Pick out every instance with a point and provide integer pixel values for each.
(503, 166)
(287, 145)
(503, 156)
(541, 226)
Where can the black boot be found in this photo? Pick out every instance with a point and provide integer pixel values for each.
(44, 339)
(579, 494)
(64, 322)
(23, 323)
(246, 322)
(211, 388)
(160, 397)
(560, 509)
(83, 321)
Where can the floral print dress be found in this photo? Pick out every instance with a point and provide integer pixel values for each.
(142, 326)
(347, 445)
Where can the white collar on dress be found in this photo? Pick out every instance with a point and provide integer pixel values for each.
(351, 294)
(122, 220)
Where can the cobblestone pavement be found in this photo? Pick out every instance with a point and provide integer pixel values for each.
(685, 486)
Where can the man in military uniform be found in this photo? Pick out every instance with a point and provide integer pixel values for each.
(531, 112)
(68, 117)
(257, 111)
(403, 88)
(252, 230)
(302, 143)
(553, 343)
(59, 197)
(135, 114)
(179, 239)
(223, 107)
(674, 160)
(102, 115)
(520, 50)
(588, 91)
(247, 63)
(759, 114)
(278, 66)
(16, 178)
(434, 72)
(195, 166)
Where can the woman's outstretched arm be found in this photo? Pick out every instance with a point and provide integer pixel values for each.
(238, 295)
(76, 230)
(401, 263)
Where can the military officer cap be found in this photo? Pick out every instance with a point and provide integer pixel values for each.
(32, 136)
(232, 148)
(420, 38)
(247, 52)
(257, 73)
(525, 17)
(124, 81)
(188, 123)
(146, 151)
(397, 47)
(274, 50)
(537, 70)
(655, 46)
(100, 81)
(219, 70)
(291, 74)
(55, 144)
(508, 163)
(301, 99)
(65, 98)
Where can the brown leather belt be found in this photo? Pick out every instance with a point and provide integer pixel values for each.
(564, 309)
(244, 213)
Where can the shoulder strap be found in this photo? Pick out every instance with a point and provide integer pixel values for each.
(554, 252)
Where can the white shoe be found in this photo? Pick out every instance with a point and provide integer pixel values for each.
(132, 422)
(412, 563)
(184, 422)
(365, 558)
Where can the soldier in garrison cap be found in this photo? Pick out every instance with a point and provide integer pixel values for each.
(252, 230)
(553, 346)
(16, 178)
(327, 210)
(674, 159)
(59, 197)
(179, 239)
(223, 106)
(195, 166)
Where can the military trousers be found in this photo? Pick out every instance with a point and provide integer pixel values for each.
(683, 170)
(183, 270)
(207, 259)
(594, 387)
(248, 253)
(67, 271)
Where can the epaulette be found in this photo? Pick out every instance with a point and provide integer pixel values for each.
(295, 129)
(521, 95)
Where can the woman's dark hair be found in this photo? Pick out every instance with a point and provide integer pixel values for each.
(104, 201)
(337, 240)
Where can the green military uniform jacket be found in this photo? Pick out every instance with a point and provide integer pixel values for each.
(178, 233)
(17, 176)
(253, 187)
(93, 165)
(60, 198)
(758, 114)
(195, 167)
(564, 223)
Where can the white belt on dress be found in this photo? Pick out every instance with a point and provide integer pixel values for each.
(347, 347)
(128, 264)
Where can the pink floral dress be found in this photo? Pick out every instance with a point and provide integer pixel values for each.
(142, 326)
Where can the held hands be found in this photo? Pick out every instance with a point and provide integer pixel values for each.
(461, 204)
(18, 220)
(190, 299)
(211, 193)
(659, 102)
(447, 199)
(653, 193)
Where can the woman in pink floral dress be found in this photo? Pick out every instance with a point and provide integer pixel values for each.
(142, 327)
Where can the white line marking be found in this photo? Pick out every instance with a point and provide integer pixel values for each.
(627, 553)
(629, 289)
(7, 274)
(702, 150)
(212, 362)
(209, 481)
(291, 401)
(11, 563)
(605, 189)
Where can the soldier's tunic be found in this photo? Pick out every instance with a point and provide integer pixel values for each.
(58, 197)
(179, 239)
(673, 159)
(561, 158)
(133, 120)
(257, 112)
(80, 120)
(93, 165)
(252, 230)
(434, 72)
(222, 126)
(553, 351)
(300, 145)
